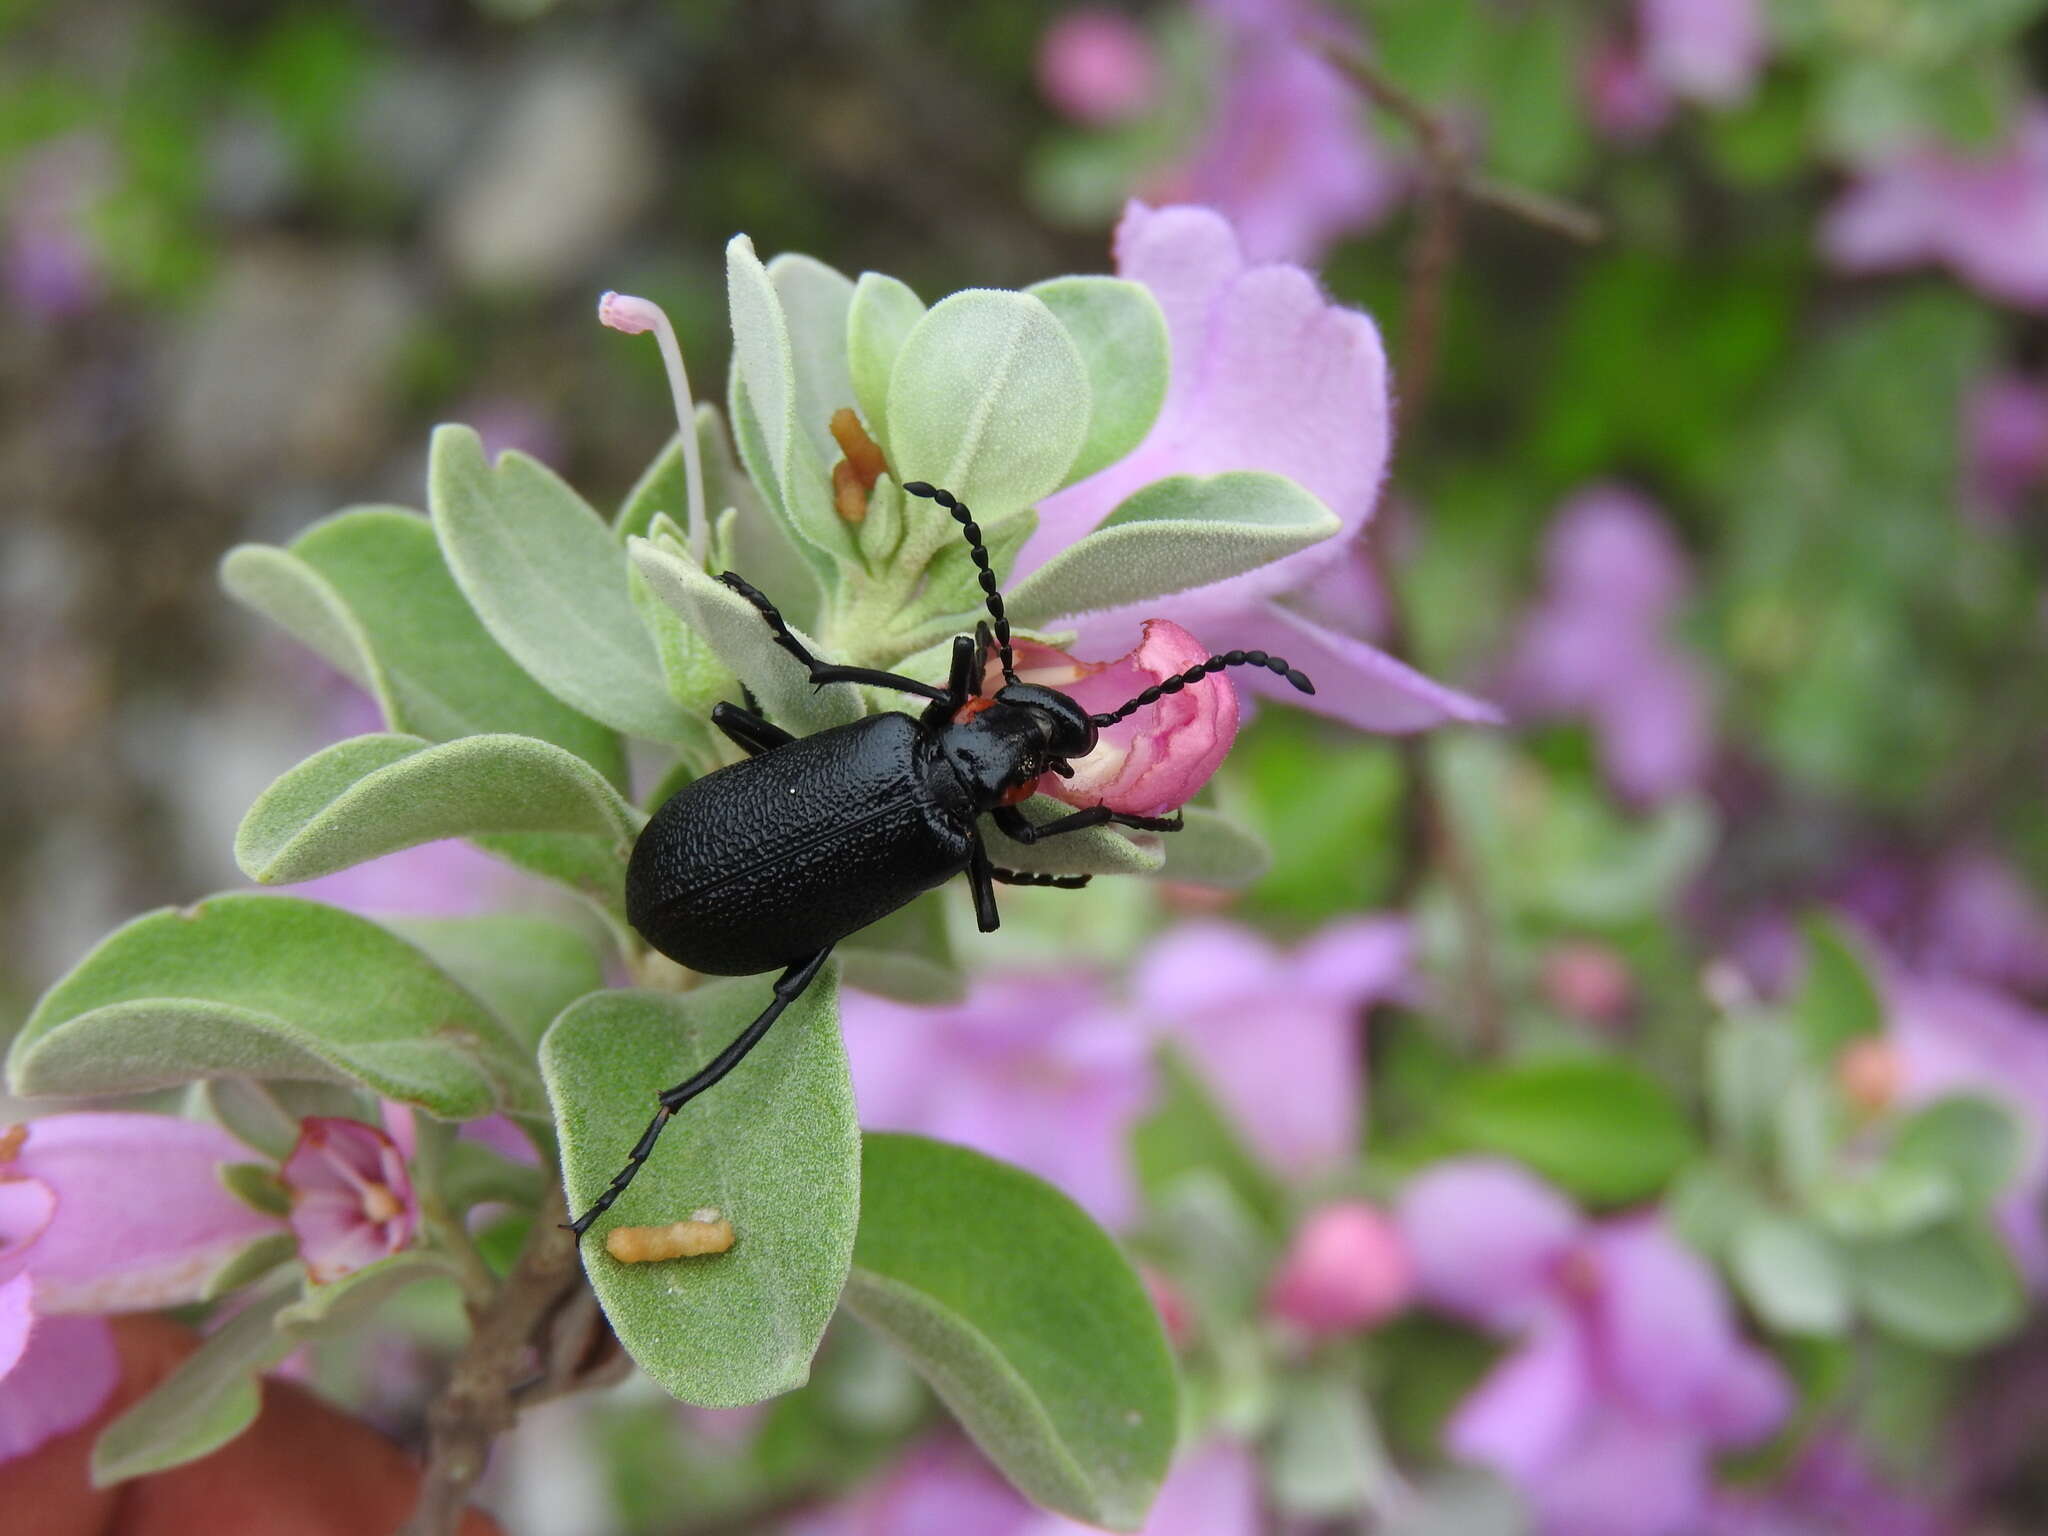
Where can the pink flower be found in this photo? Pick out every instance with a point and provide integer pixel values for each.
(1156, 759)
(1266, 375)
(2005, 443)
(1037, 1070)
(352, 1199)
(1704, 50)
(1629, 1374)
(1098, 67)
(1277, 1037)
(1595, 645)
(100, 1213)
(1984, 216)
(1347, 1270)
(50, 265)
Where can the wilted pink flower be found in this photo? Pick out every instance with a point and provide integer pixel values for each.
(1347, 1270)
(1595, 645)
(1098, 67)
(1266, 375)
(942, 1487)
(1287, 155)
(100, 1213)
(1275, 1035)
(1630, 1374)
(1038, 1071)
(2005, 443)
(1985, 216)
(352, 1198)
(1156, 759)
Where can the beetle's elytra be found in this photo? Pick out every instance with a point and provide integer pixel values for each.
(771, 861)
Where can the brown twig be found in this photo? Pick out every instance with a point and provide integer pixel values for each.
(478, 1402)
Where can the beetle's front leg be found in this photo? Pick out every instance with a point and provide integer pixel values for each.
(962, 684)
(823, 672)
(981, 880)
(1016, 826)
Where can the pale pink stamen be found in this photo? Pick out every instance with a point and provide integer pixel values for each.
(636, 316)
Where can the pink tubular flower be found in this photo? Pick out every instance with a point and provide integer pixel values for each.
(1986, 217)
(100, 1213)
(1276, 1037)
(1098, 67)
(1160, 756)
(1266, 375)
(1347, 1270)
(1630, 1374)
(352, 1199)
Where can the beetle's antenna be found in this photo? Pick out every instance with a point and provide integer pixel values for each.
(979, 551)
(1200, 670)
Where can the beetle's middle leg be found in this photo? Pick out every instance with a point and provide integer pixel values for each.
(823, 672)
(1018, 827)
(789, 987)
(747, 730)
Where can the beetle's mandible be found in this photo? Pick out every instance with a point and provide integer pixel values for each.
(769, 862)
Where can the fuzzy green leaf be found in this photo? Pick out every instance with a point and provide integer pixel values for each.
(1972, 1142)
(1095, 851)
(265, 1116)
(339, 1306)
(1837, 1002)
(372, 795)
(209, 1399)
(269, 986)
(256, 1186)
(542, 572)
(1950, 1287)
(1121, 335)
(1212, 849)
(815, 303)
(775, 1148)
(368, 590)
(990, 400)
(527, 969)
(1602, 1128)
(908, 955)
(883, 314)
(1025, 1318)
(256, 1259)
(1791, 1274)
(744, 642)
(1178, 533)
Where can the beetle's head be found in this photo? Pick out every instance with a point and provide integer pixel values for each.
(1067, 729)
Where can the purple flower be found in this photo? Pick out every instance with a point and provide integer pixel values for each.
(1039, 1071)
(1629, 1373)
(100, 1213)
(352, 1198)
(1098, 67)
(1346, 1270)
(1276, 1036)
(1983, 216)
(2005, 443)
(51, 265)
(1704, 50)
(1287, 154)
(1832, 1487)
(1267, 375)
(1595, 645)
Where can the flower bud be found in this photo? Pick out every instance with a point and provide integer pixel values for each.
(1348, 1270)
(1870, 1074)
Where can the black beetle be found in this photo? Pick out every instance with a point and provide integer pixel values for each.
(773, 860)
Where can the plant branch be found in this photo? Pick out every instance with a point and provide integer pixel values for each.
(477, 1403)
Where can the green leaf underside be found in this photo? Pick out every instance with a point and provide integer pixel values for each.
(1603, 1128)
(1792, 1275)
(990, 400)
(1120, 333)
(1173, 535)
(372, 795)
(1951, 1287)
(1212, 849)
(775, 1148)
(527, 969)
(1837, 1003)
(1096, 851)
(544, 574)
(883, 314)
(1026, 1319)
(368, 590)
(269, 986)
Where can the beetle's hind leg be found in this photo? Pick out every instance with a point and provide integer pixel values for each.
(747, 730)
(788, 988)
(1055, 882)
(823, 672)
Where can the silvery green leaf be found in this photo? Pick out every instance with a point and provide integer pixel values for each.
(256, 1186)
(990, 400)
(815, 300)
(1974, 1142)
(1093, 851)
(1122, 339)
(527, 969)
(256, 1259)
(1177, 533)
(340, 1306)
(952, 589)
(908, 955)
(1326, 1459)
(1749, 1062)
(741, 637)
(269, 986)
(541, 571)
(1950, 1287)
(783, 457)
(1025, 1318)
(880, 533)
(1890, 1200)
(774, 1148)
(883, 313)
(372, 795)
(696, 678)
(1212, 849)
(265, 1116)
(368, 590)
(1791, 1274)
(209, 1399)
